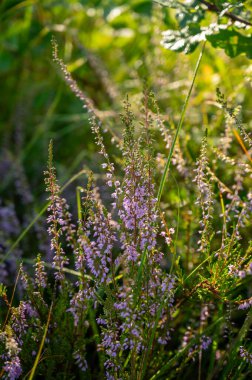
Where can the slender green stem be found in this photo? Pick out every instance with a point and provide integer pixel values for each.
(78, 197)
(168, 162)
(196, 269)
(41, 345)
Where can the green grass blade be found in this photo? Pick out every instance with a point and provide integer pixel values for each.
(168, 162)
(33, 370)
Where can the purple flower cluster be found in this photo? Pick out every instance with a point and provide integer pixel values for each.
(127, 330)
(245, 304)
(12, 365)
(188, 335)
(205, 198)
(96, 243)
(205, 342)
(78, 305)
(19, 322)
(246, 355)
(136, 232)
(239, 272)
(138, 215)
(40, 274)
(80, 360)
(112, 347)
(59, 221)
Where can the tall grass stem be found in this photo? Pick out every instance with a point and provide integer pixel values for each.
(168, 162)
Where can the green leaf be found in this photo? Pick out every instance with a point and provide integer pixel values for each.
(233, 42)
(192, 18)
(167, 3)
(188, 38)
(143, 7)
(184, 40)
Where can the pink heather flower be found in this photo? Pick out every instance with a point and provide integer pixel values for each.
(188, 335)
(205, 342)
(58, 220)
(168, 240)
(246, 355)
(78, 305)
(205, 196)
(12, 365)
(245, 304)
(40, 275)
(242, 273)
(164, 339)
(13, 368)
(138, 214)
(97, 242)
(80, 361)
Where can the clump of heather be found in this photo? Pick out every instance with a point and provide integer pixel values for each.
(117, 257)
(134, 291)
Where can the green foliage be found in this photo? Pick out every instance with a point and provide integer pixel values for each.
(233, 42)
(228, 30)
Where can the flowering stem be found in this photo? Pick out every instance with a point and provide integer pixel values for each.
(168, 162)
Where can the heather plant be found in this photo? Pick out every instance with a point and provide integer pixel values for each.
(121, 298)
(144, 269)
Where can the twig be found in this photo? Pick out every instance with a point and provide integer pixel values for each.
(214, 8)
